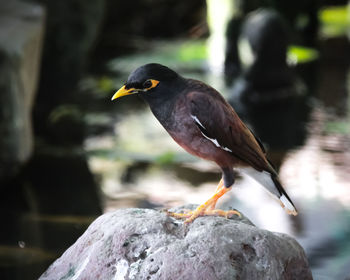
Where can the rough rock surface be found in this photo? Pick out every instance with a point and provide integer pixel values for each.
(147, 244)
(21, 36)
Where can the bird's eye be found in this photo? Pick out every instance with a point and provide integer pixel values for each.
(147, 84)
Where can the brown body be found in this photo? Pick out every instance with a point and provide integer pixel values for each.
(230, 132)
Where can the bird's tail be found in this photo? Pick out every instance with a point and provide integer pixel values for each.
(271, 182)
(285, 200)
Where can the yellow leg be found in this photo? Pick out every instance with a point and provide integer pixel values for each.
(207, 208)
(220, 185)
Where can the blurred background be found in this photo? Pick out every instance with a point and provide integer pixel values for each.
(69, 154)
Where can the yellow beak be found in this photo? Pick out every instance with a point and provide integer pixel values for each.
(122, 92)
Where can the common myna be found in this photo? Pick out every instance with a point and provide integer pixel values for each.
(199, 119)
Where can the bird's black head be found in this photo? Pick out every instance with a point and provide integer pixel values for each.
(148, 80)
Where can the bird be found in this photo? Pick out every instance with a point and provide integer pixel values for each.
(201, 121)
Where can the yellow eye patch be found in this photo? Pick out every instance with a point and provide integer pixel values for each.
(150, 84)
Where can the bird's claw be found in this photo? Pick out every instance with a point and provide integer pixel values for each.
(187, 213)
(190, 216)
(231, 213)
(207, 208)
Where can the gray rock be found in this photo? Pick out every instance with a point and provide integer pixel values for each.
(147, 244)
(21, 34)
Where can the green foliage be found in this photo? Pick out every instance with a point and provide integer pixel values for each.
(165, 158)
(337, 127)
(335, 21)
(99, 86)
(192, 51)
(300, 54)
(105, 84)
(65, 111)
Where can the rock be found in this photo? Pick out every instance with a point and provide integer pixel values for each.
(21, 36)
(147, 244)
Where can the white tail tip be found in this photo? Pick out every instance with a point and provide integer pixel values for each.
(287, 205)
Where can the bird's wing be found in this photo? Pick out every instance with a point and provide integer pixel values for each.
(219, 123)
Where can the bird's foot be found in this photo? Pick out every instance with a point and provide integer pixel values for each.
(207, 208)
(190, 216)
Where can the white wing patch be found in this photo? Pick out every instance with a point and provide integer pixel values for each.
(197, 121)
(215, 141)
